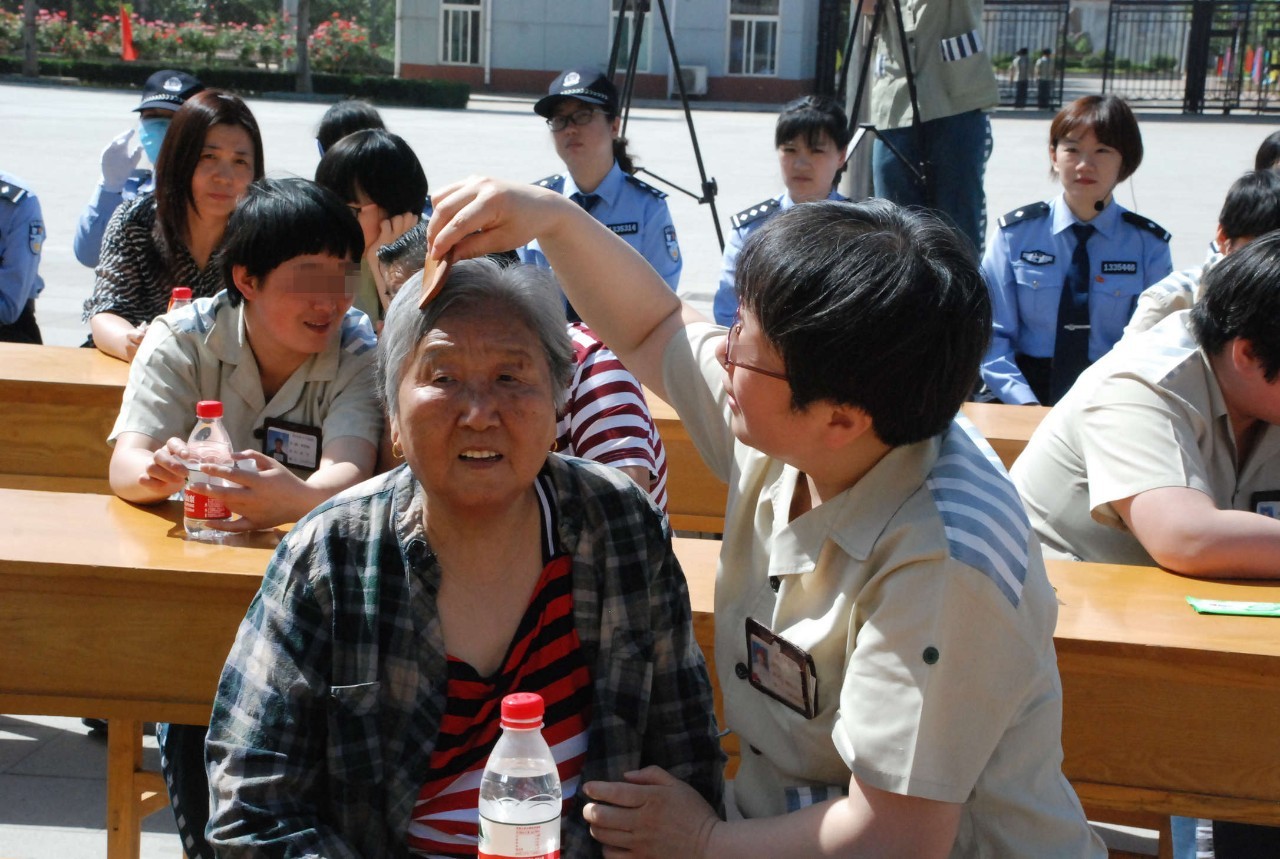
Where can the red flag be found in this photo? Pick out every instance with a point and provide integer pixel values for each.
(127, 53)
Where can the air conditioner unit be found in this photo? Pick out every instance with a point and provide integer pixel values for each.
(695, 79)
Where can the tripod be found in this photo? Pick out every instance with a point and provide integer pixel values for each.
(638, 9)
(921, 172)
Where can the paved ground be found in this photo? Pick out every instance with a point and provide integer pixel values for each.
(54, 135)
(52, 793)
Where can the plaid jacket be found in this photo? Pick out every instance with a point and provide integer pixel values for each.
(329, 705)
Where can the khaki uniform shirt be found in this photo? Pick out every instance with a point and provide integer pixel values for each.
(201, 353)
(952, 68)
(922, 598)
(1148, 415)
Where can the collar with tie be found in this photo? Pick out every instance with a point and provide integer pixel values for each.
(588, 201)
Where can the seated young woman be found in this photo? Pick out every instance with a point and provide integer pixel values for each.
(210, 154)
(361, 698)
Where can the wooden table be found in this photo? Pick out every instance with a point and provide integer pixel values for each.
(57, 407)
(1166, 711)
(1006, 428)
(109, 612)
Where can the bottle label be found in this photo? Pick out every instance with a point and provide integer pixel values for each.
(519, 840)
(198, 506)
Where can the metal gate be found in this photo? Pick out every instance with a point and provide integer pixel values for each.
(1204, 55)
(1033, 25)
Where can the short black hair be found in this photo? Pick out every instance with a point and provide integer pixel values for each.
(280, 219)
(811, 117)
(873, 306)
(345, 117)
(1252, 206)
(405, 256)
(1240, 299)
(379, 163)
(1268, 153)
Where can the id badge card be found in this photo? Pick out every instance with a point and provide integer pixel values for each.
(294, 445)
(781, 670)
(1266, 503)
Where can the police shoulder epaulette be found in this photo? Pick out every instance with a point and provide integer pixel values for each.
(552, 181)
(755, 213)
(1147, 224)
(11, 192)
(1029, 212)
(645, 186)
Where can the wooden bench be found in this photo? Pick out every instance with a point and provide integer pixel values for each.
(57, 407)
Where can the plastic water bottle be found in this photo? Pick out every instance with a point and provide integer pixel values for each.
(520, 789)
(180, 297)
(210, 443)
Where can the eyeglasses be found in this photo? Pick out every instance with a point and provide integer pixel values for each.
(731, 347)
(578, 117)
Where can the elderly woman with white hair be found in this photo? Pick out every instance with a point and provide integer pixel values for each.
(361, 698)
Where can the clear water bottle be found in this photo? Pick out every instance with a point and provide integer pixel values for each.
(520, 789)
(208, 443)
(180, 297)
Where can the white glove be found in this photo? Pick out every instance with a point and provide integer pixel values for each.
(119, 159)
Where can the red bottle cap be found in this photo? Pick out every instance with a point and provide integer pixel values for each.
(522, 711)
(181, 292)
(206, 409)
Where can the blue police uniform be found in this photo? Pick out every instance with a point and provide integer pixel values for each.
(87, 243)
(21, 240)
(746, 222)
(634, 210)
(1026, 265)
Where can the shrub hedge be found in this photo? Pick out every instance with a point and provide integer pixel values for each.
(384, 90)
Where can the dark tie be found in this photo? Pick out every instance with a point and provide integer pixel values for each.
(586, 201)
(1071, 345)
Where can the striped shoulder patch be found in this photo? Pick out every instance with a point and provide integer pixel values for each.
(1146, 224)
(982, 515)
(1029, 212)
(357, 333)
(755, 213)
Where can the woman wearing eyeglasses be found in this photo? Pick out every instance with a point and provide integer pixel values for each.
(581, 109)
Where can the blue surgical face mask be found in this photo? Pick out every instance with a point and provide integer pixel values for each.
(151, 134)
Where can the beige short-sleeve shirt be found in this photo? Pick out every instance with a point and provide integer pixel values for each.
(922, 598)
(201, 353)
(1147, 415)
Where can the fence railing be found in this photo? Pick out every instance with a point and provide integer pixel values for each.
(1032, 26)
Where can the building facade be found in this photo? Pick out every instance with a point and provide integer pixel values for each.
(729, 50)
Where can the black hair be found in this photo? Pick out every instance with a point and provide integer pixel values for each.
(1113, 123)
(343, 118)
(1240, 299)
(1252, 206)
(280, 219)
(1268, 153)
(180, 154)
(405, 256)
(811, 117)
(873, 306)
(381, 165)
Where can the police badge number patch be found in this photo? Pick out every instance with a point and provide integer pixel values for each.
(1037, 257)
(669, 233)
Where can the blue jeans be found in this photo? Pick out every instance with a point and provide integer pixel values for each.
(956, 149)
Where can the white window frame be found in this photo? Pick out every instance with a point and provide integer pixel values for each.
(467, 13)
(749, 22)
(643, 62)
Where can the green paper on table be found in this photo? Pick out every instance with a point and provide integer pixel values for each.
(1240, 607)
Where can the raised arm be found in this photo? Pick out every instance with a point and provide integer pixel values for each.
(616, 292)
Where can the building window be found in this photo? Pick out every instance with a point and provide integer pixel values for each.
(753, 37)
(624, 49)
(460, 33)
